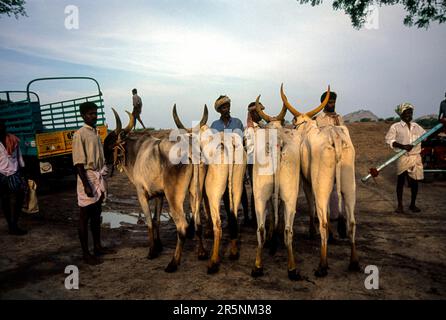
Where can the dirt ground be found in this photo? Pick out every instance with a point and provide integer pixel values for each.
(408, 249)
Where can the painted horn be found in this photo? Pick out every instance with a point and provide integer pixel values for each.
(118, 122)
(321, 106)
(259, 110)
(204, 118)
(177, 120)
(131, 122)
(287, 104)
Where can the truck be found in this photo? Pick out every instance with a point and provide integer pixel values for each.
(46, 130)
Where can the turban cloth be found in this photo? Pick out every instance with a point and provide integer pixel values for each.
(403, 107)
(221, 101)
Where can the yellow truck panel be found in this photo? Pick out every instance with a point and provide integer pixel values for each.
(59, 142)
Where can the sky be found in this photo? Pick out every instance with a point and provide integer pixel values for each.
(189, 53)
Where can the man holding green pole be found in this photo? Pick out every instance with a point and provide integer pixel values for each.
(400, 136)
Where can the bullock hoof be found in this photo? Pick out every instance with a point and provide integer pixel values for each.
(257, 272)
(294, 275)
(153, 253)
(203, 255)
(321, 272)
(213, 268)
(354, 266)
(171, 267)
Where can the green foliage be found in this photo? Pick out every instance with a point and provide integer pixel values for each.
(391, 119)
(427, 123)
(365, 120)
(13, 7)
(419, 13)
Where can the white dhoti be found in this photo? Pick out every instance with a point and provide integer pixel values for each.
(412, 164)
(98, 185)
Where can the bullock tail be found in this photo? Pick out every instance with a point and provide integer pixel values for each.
(231, 177)
(337, 141)
(196, 182)
(276, 186)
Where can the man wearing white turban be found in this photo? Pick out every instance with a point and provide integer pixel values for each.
(400, 136)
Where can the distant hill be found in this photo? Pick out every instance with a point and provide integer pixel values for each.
(360, 115)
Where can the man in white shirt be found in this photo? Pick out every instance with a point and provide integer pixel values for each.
(400, 136)
(12, 185)
(88, 158)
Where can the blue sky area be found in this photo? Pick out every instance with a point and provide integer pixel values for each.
(190, 52)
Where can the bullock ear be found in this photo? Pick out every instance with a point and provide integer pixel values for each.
(315, 111)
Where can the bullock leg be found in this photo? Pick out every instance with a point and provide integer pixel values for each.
(179, 218)
(207, 212)
(158, 211)
(321, 207)
(144, 202)
(349, 200)
(257, 271)
(272, 236)
(238, 189)
(214, 262)
(202, 254)
(290, 211)
(310, 200)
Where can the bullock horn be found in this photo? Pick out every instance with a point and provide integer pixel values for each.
(118, 122)
(321, 106)
(179, 124)
(204, 118)
(131, 122)
(259, 110)
(282, 113)
(287, 104)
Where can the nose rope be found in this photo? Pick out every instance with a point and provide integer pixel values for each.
(119, 159)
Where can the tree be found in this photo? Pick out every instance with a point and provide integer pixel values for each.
(13, 7)
(419, 13)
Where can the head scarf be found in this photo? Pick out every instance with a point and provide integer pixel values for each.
(403, 107)
(221, 101)
(253, 107)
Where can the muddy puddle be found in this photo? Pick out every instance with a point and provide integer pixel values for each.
(118, 219)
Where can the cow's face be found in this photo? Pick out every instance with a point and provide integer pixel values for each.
(109, 143)
(117, 136)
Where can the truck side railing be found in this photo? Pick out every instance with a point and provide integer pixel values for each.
(63, 115)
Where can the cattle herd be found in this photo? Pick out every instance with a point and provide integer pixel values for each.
(203, 164)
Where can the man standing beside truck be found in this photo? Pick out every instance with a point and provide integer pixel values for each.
(88, 158)
(12, 184)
